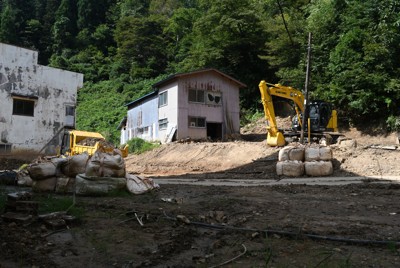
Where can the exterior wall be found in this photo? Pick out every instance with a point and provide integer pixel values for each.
(169, 111)
(176, 112)
(51, 89)
(226, 113)
(142, 121)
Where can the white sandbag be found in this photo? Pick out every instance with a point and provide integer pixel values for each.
(65, 185)
(75, 165)
(139, 185)
(105, 165)
(40, 171)
(296, 154)
(290, 168)
(24, 180)
(284, 153)
(318, 154)
(97, 186)
(318, 168)
(44, 185)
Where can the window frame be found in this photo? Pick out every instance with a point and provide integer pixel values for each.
(197, 96)
(163, 99)
(163, 123)
(69, 109)
(196, 121)
(17, 110)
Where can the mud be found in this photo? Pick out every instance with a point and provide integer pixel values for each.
(353, 225)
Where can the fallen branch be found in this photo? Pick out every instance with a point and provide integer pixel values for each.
(139, 221)
(231, 260)
(134, 218)
(54, 232)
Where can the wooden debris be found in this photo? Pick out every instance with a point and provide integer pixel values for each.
(16, 217)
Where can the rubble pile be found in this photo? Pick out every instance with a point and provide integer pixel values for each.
(19, 207)
(297, 160)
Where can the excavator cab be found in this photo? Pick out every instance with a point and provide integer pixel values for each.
(320, 114)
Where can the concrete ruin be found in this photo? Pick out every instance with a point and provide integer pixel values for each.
(36, 102)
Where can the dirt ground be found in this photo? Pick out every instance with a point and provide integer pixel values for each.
(356, 225)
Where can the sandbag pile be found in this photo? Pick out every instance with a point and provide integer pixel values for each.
(44, 174)
(295, 161)
(98, 175)
(104, 173)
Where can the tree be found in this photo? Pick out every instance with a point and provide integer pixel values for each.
(229, 36)
(64, 28)
(134, 8)
(286, 40)
(9, 25)
(362, 70)
(141, 46)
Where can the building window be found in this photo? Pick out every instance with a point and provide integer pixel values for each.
(196, 95)
(5, 148)
(163, 123)
(23, 107)
(163, 99)
(69, 110)
(197, 122)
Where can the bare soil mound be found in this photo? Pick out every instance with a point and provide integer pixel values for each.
(256, 159)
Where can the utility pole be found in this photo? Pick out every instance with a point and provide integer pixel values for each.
(305, 113)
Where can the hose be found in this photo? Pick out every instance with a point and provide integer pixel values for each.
(291, 234)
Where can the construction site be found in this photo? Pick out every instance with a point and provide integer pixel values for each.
(216, 204)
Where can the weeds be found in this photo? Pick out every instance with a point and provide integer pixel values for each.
(268, 251)
(51, 203)
(138, 146)
(250, 116)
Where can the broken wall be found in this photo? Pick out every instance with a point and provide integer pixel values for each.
(36, 101)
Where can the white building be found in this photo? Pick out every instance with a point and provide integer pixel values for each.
(36, 102)
(197, 105)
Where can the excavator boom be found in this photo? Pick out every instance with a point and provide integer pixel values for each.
(274, 138)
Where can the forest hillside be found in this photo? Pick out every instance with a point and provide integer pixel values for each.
(124, 46)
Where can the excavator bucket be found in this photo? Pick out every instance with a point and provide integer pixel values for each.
(276, 140)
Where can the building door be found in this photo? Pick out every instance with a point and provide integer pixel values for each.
(214, 131)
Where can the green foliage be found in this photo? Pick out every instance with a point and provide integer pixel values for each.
(8, 25)
(138, 146)
(249, 116)
(123, 46)
(54, 203)
(141, 46)
(393, 123)
(101, 105)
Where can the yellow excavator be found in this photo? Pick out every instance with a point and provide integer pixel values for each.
(322, 118)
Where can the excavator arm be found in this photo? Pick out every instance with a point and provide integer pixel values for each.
(275, 137)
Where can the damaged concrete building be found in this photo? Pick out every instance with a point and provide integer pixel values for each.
(36, 102)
